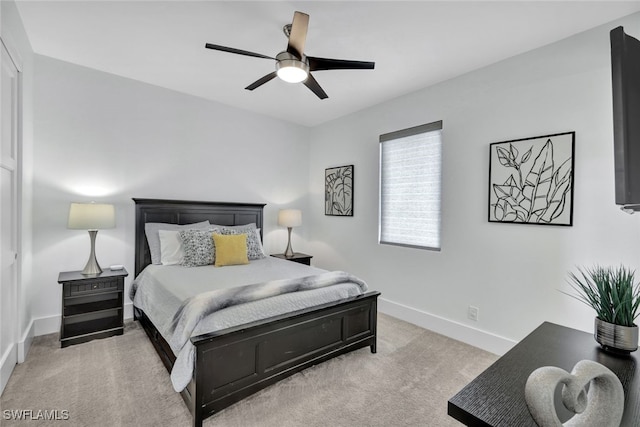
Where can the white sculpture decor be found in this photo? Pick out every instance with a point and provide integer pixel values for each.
(602, 406)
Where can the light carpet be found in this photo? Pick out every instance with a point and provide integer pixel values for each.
(120, 381)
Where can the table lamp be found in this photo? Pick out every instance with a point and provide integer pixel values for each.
(91, 217)
(289, 218)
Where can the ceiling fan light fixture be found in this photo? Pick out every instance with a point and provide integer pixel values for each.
(291, 69)
(292, 74)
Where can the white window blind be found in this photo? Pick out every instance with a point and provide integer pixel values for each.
(410, 170)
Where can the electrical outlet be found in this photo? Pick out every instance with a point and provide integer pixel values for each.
(472, 313)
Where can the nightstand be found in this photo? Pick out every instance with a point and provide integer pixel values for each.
(297, 257)
(92, 306)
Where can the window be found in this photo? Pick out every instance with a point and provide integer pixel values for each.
(410, 165)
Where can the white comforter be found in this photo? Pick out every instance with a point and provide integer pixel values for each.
(160, 291)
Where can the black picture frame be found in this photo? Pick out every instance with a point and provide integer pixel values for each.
(338, 191)
(531, 180)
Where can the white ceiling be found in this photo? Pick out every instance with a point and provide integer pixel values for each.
(414, 44)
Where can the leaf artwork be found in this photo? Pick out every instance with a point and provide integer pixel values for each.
(538, 186)
(338, 198)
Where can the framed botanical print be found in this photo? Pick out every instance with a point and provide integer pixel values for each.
(338, 191)
(531, 180)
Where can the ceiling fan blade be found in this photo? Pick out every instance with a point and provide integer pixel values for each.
(298, 34)
(238, 51)
(312, 84)
(261, 81)
(318, 64)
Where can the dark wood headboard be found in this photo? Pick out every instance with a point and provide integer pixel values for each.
(187, 212)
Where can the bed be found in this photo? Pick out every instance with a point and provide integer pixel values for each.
(235, 362)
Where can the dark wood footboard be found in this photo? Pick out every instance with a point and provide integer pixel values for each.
(234, 363)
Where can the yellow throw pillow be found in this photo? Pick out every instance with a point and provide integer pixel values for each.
(231, 249)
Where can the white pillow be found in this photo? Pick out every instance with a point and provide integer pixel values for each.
(171, 252)
(151, 230)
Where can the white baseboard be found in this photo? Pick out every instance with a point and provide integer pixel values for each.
(25, 343)
(128, 311)
(17, 353)
(458, 331)
(46, 325)
(51, 324)
(7, 363)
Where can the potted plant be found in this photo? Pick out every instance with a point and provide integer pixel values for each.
(615, 296)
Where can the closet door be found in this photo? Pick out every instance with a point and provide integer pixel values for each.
(8, 216)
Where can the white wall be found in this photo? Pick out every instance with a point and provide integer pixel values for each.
(511, 272)
(106, 138)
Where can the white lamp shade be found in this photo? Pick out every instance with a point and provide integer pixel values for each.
(290, 218)
(91, 216)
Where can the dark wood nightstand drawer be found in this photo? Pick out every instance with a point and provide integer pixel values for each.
(91, 303)
(89, 322)
(91, 286)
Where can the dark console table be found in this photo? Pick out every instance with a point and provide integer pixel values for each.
(496, 397)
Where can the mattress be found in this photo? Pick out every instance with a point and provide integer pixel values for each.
(160, 291)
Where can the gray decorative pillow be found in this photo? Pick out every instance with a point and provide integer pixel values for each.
(254, 245)
(198, 247)
(153, 238)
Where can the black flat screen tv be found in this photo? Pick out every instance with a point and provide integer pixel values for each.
(625, 76)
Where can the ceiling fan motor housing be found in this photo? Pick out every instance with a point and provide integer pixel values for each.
(290, 68)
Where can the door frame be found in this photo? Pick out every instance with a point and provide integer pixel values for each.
(7, 44)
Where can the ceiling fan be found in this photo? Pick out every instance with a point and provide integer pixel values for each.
(292, 65)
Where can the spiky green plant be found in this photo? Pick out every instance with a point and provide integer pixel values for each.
(611, 292)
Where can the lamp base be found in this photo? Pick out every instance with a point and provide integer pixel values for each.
(288, 253)
(92, 268)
